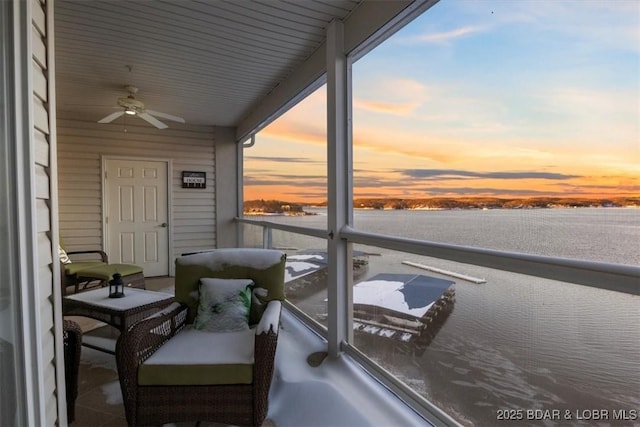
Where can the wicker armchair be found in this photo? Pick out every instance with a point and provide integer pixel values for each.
(170, 401)
(72, 348)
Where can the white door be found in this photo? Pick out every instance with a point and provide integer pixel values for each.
(137, 229)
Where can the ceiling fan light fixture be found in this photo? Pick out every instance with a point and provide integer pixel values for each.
(130, 112)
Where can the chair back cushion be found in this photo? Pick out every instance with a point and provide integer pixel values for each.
(265, 267)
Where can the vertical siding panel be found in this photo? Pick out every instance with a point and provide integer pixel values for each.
(50, 386)
(47, 343)
(38, 18)
(43, 215)
(41, 155)
(39, 48)
(39, 82)
(80, 147)
(45, 275)
(41, 145)
(44, 261)
(52, 408)
(42, 182)
(49, 379)
(40, 115)
(46, 311)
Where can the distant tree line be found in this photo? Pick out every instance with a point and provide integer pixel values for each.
(491, 203)
(272, 207)
(279, 206)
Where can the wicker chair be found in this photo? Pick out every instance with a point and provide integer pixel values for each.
(8, 402)
(72, 348)
(163, 401)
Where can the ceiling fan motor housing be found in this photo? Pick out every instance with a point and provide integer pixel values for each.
(130, 103)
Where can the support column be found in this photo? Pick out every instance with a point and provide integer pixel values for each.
(340, 190)
(227, 184)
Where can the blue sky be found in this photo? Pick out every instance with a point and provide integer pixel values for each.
(492, 98)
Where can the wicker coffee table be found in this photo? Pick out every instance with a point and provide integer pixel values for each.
(117, 312)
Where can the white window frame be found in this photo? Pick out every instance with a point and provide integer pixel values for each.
(341, 234)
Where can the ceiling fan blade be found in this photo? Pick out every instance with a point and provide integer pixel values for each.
(111, 117)
(157, 123)
(104, 106)
(165, 116)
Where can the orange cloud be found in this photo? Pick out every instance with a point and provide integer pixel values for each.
(446, 36)
(402, 97)
(309, 132)
(386, 107)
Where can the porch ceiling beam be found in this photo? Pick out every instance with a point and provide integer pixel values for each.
(368, 19)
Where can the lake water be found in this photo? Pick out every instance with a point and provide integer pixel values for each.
(515, 342)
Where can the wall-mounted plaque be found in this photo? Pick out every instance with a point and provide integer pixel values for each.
(194, 179)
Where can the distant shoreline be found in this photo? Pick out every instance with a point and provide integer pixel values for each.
(282, 208)
(305, 213)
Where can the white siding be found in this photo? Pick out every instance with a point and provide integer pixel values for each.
(41, 138)
(80, 147)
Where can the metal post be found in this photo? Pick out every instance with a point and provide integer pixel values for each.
(267, 237)
(240, 193)
(339, 180)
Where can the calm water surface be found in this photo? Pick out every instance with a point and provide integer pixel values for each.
(516, 341)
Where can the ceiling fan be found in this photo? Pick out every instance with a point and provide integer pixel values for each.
(134, 107)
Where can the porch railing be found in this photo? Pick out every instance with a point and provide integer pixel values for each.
(612, 277)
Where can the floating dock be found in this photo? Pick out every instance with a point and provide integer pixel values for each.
(445, 272)
(404, 307)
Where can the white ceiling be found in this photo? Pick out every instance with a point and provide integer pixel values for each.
(211, 62)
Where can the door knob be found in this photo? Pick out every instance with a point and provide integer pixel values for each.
(164, 225)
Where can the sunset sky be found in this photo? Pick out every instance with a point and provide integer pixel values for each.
(478, 98)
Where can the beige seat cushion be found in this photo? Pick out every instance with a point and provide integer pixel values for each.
(195, 357)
